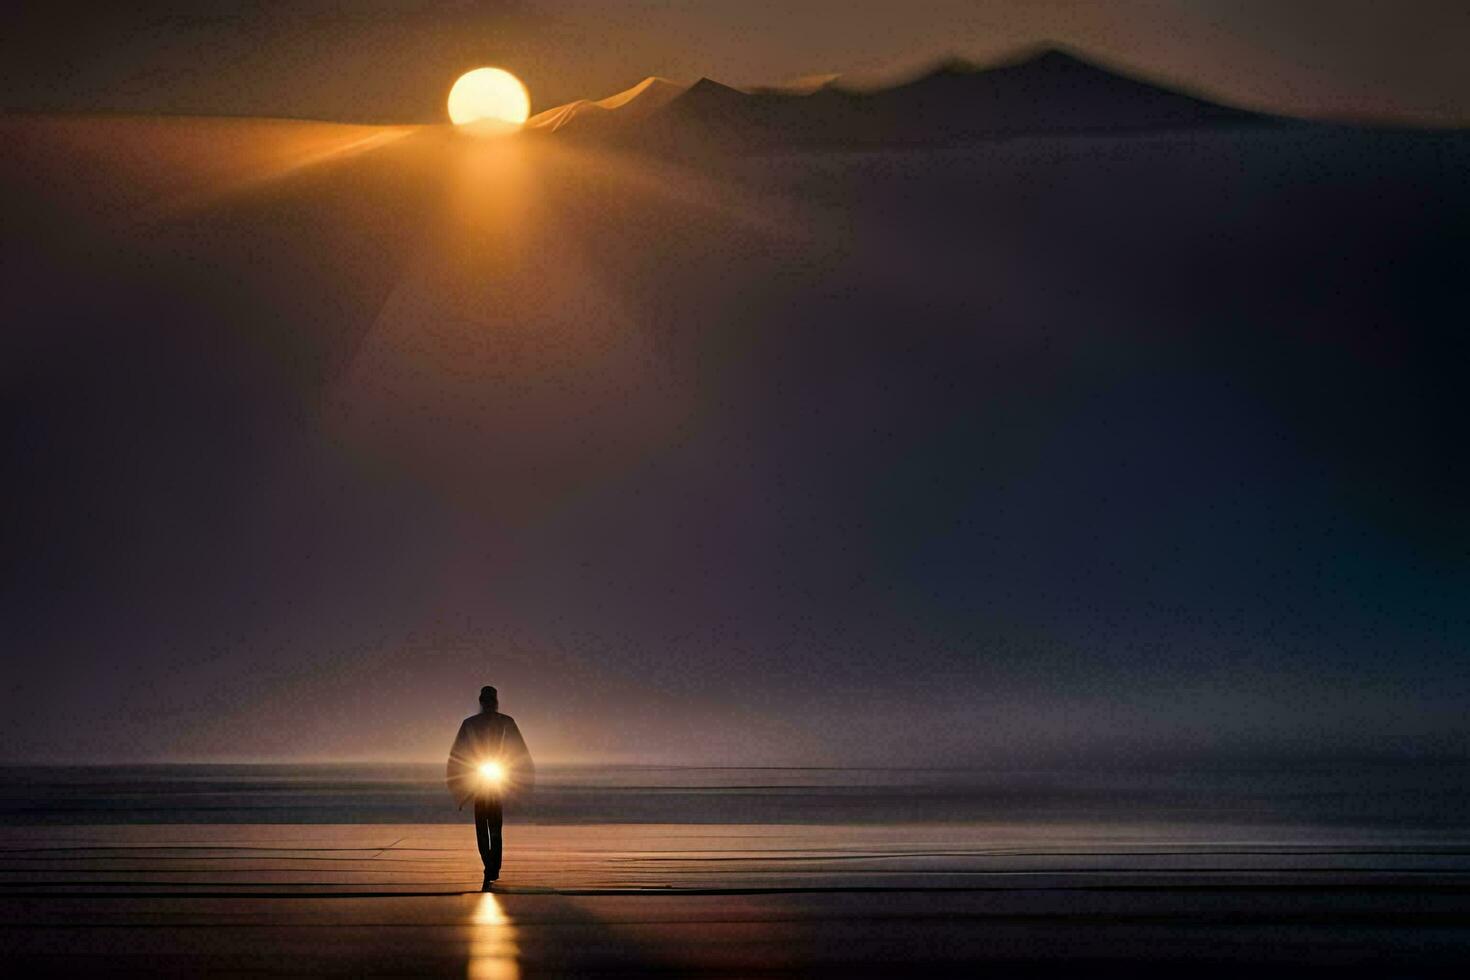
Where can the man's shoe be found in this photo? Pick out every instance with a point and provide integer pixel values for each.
(490, 877)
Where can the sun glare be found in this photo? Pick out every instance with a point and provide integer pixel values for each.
(490, 97)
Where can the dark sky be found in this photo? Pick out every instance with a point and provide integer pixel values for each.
(1046, 452)
(393, 60)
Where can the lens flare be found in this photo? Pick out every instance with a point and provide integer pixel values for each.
(492, 773)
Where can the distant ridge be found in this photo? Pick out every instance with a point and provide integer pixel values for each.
(1047, 91)
(638, 102)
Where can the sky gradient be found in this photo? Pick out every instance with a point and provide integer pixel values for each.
(394, 60)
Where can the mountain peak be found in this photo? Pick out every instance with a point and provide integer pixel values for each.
(650, 87)
(1049, 56)
(708, 97)
(643, 99)
(707, 86)
(1042, 59)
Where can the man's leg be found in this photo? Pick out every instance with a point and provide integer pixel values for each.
(482, 820)
(493, 816)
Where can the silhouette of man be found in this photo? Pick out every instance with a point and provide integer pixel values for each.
(487, 762)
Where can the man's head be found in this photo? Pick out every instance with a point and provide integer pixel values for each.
(489, 699)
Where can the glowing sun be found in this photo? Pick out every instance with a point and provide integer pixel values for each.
(489, 96)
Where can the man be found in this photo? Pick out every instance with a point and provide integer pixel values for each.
(488, 761)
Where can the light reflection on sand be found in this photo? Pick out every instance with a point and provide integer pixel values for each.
(493, 948)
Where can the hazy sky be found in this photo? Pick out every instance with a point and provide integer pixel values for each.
(1049, 452)
(393, 60)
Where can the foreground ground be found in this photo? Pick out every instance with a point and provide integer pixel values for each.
(731, 900)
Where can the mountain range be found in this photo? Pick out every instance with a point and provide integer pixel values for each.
(1047, 91)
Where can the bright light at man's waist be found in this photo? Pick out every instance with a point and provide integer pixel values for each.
(492, 773)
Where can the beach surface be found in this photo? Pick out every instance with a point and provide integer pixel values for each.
(734, 900)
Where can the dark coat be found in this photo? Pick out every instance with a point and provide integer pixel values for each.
(488, 736)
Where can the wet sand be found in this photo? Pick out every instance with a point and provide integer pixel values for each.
(732, 900)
